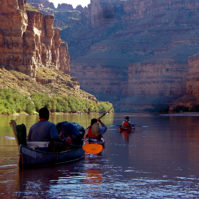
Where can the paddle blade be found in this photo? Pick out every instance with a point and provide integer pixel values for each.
(92, 148)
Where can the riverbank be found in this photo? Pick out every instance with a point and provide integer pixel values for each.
(21, 94)
(54, 113)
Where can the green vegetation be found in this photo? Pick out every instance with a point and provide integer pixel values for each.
(31, 8)
(12, 101)
(20, 93)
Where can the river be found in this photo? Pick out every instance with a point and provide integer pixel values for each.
(160, 159)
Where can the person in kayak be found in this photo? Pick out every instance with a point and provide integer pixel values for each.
(43, 130)
(95, 132)
(126, 123)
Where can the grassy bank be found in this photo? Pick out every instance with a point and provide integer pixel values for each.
(13, 102)
(19, 93)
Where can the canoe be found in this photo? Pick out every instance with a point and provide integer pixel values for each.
(95, 141)
(38, 157)
(36, 154)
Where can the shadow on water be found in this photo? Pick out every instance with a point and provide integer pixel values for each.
(37, 183)
(67, 180)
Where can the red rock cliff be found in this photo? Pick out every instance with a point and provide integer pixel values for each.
(150, 42)
(134, 52)
(28, 39)
(192, 86)
(159, 79)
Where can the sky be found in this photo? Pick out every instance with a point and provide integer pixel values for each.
(74, 3)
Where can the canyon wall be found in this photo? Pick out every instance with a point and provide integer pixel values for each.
(142, 87)
(161, 79)
(148, 42)
(101, 11)
(28, 39)
(189, 99)
(108, 84)
(136, 54)
(192, 84)
(155, 86)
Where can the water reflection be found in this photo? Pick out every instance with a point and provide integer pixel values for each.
(187, 134)
(159, 160)
(82, 119)
(8, 174)
(94, 176)
(126, 135)
(93, 171)
(61, 181)
(37, 183)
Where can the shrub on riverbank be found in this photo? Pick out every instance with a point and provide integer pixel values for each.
(13, 102)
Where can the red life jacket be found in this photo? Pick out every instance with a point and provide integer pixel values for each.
(126, 124)
(91, 135)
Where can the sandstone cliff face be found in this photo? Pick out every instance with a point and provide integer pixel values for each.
(103, 81)
(13, 24)
(139, 9)
(28, 40)
(102, 11)
(150, 40)
(192, 86)
(140, 49)
(161, 79)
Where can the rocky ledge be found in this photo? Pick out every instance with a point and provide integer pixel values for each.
(28, 39)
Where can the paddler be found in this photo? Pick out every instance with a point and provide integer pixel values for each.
(43, 130)
(95, 132)
(126, 123)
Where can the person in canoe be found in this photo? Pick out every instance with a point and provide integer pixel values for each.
(126, 124)
(44, 130)
(94, 133)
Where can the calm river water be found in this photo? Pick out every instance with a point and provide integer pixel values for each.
(160, 159)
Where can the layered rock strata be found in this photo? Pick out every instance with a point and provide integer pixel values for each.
(28, 39)
(134, 53)
(150, 40)
(101, 11)
(192, 86)
(161, 79)
(103, 81)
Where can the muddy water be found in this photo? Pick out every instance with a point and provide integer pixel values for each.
(160, 159)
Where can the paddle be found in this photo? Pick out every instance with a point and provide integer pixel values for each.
(101, 116)
(105, 113)
(94, 148)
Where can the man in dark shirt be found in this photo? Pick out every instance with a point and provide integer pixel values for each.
(43, 130)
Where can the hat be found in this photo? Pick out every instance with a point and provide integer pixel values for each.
(127, 117)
